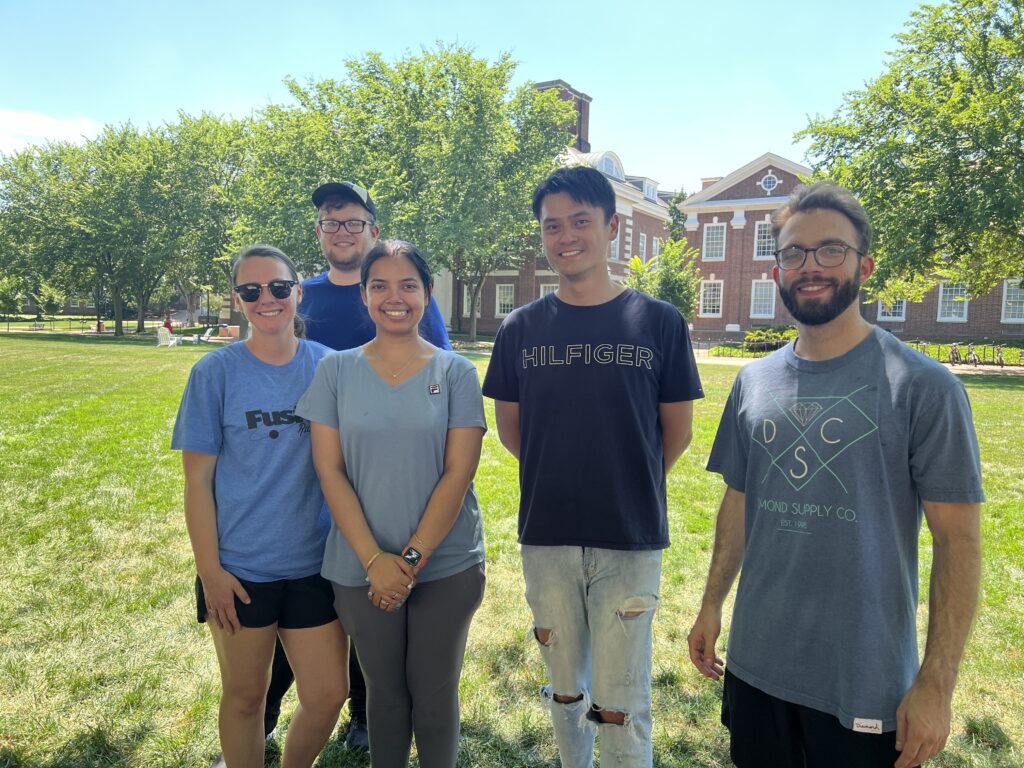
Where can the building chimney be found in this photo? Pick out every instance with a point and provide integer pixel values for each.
(581, 131)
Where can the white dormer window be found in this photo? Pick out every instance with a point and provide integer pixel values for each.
(650, 190)
(769, 182)
(608, 166)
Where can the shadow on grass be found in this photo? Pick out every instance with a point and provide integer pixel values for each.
(95, 747)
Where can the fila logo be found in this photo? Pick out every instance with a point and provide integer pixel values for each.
(434, 389)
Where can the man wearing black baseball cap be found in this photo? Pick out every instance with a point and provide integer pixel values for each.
(331, 305)
(336, 317)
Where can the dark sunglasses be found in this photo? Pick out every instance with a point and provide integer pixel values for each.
(279, 289)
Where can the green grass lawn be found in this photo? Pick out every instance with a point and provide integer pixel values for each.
(102, 663)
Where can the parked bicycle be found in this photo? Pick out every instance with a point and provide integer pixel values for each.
(972, 356)
(954, 354)
(999, 356)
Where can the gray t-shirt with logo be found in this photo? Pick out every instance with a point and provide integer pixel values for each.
(393, 440)
(835, 458)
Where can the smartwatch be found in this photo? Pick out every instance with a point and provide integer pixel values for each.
(412, 556)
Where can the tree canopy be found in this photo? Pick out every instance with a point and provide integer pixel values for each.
(934, 149)
(449, 150)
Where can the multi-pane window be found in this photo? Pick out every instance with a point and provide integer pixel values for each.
(546, 288)
(643, 247)
(657, 247)
(762, 299)
(952, 303)
(714, 242)
(505, 295)
(650, 191)
(1013, 301)
(764, 243)
(711, 298)
(894, 312)
(467, 297)
(613, 248)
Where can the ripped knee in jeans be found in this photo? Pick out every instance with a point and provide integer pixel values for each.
(545, 637)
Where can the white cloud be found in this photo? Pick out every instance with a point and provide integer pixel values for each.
(18, 129)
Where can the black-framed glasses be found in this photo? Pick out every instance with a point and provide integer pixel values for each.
(279, 289)
(831, 255)
(355, 226)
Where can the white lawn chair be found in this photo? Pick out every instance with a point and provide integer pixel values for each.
(165, 338)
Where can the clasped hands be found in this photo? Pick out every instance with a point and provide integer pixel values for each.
(391, 581)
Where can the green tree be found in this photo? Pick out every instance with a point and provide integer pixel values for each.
(49, 299)
(640, 275)
(10, 297)
(934, 148)
(450, 151)
(677, 220)
(673, 277)
(678, 277)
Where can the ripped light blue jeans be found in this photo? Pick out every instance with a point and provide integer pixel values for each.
(594, 608)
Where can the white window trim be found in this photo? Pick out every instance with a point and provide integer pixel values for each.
(546, 288)
(1002, 311)
(938, 312)
(704, 243)
(497, 298)
(614, 247)
(466, 296)
(900, 318)
(772, 294)
(758, 225)
(643, 246)
(721, 298)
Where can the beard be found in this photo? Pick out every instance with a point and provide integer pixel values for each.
(345, 264)
(814, 312)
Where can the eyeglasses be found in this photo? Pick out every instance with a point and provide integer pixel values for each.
(355, 226)
(279, 289)
(831, 255)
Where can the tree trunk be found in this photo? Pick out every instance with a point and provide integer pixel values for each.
(474, 302)
(142, 301)
(115, 298)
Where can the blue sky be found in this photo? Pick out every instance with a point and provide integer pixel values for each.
(681, 90)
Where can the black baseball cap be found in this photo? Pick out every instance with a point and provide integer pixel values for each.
(347, 190)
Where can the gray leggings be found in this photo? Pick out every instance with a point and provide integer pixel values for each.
(412, 660)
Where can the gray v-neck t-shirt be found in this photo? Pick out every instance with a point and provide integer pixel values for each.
(393, 440)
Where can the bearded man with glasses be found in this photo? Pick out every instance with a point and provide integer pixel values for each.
(833, 449)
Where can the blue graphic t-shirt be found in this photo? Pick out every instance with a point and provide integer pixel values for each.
(269, 505)
(337, 318)
(588, 381)
(835, 457)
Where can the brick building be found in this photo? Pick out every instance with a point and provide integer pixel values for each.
(643, 221)
(729, 222)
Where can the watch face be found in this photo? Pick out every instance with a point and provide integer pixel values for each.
(412, 556)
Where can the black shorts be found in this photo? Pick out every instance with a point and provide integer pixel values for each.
(767, 732)
(289, 603)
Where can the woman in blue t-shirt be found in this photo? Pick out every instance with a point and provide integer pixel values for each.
(254, 513)
(397, 431)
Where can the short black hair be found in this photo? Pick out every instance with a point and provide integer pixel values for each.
(398, 248)
(583, 184)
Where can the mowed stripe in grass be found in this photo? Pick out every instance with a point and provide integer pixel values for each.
(102, 664)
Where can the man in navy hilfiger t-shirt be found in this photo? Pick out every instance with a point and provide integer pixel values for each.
(832, 449)
(593, 388)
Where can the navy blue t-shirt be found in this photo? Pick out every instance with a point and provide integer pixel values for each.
(337, 318)
(588, 380)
